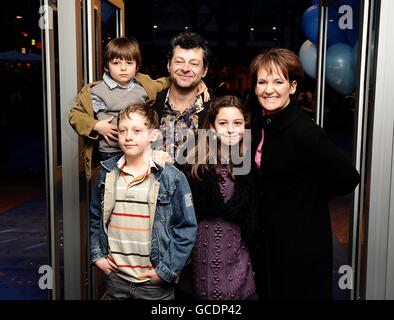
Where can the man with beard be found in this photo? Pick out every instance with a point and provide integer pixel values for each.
(181, 111)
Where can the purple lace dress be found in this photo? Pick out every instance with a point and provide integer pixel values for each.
(222, 268)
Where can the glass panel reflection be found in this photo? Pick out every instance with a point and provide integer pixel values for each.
(24, 236)
(339, 116)
(109, 22)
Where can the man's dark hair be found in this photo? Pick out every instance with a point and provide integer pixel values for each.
(189, 40)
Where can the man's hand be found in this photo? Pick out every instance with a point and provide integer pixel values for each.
(107, 129)
(152, 276)
(203, 89)
(104, 266)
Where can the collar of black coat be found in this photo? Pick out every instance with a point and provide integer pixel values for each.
(279, 121)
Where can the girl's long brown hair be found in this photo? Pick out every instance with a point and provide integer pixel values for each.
(203, 148)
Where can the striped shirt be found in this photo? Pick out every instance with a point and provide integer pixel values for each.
(129, 229)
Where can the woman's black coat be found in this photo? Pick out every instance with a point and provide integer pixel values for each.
(301, 170)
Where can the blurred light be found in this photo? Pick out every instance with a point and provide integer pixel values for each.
(23, 50)
(27, 65)
(38, 46)
(186, 28)
(18, 17)
(25, 34)
(274, 28)
(33, 42)
(251, 29)
(155, 27)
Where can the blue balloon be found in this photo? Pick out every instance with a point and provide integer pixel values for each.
(310, 23)
(308, 58)
(340, 72)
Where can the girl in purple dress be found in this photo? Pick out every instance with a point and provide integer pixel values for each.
(224, 201)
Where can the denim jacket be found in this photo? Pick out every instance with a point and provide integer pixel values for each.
(174, 226)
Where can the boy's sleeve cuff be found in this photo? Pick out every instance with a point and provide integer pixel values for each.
(165, 273)
(96, 255)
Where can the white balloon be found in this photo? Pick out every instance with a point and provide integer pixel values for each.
(308, 57)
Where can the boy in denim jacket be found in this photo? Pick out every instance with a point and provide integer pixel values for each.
(142, 220)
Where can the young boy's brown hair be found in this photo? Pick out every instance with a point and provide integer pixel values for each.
(122, 48)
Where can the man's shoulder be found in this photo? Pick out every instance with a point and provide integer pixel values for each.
(161, 96)
(144, 80)
(159, 104)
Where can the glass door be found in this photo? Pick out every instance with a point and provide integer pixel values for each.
(105, 21)
(331, 55)
(339, 117)
(29, 225)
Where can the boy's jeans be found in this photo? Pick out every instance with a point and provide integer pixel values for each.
(121, 289)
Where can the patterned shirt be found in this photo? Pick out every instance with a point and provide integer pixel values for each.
(176, 126)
